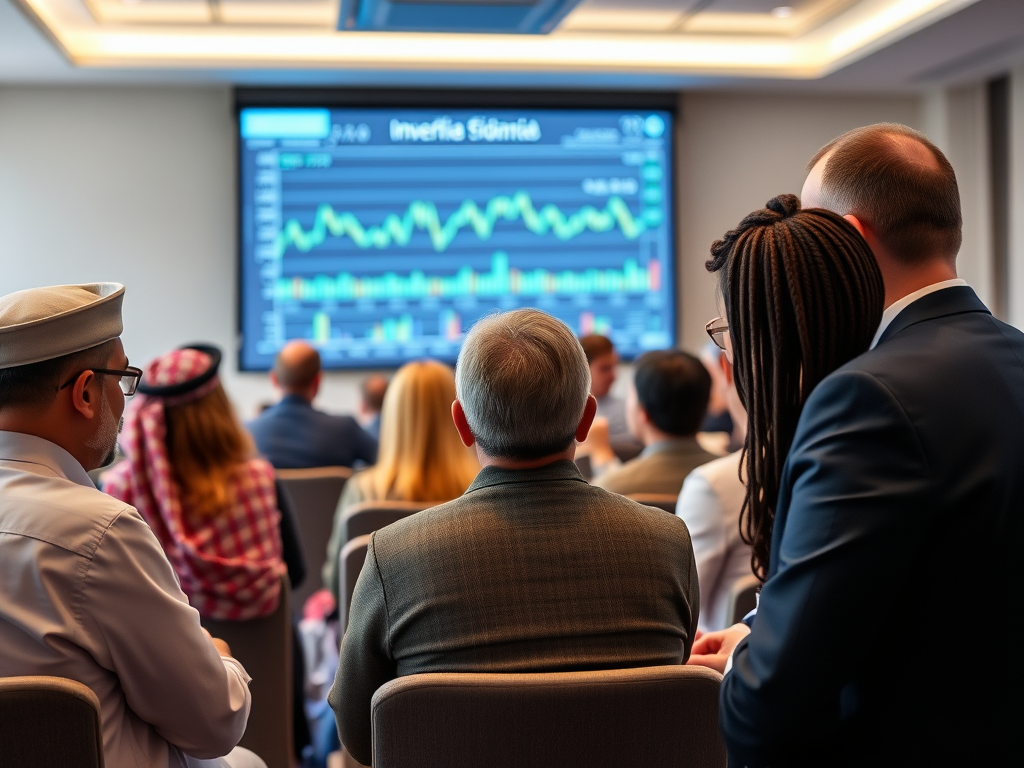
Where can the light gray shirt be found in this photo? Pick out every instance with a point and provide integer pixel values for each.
(710, 505)
(88, 594)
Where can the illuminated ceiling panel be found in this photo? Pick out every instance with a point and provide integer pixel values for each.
(744, 38)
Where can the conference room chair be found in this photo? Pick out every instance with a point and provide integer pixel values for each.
(654, 716)
(663, 501)
(369, 516)
(350, 563)
(264, 647)
(742, 598)
(314, 495)
(49, 721)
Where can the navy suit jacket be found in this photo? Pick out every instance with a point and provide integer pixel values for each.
(294, 435)
(888, 629)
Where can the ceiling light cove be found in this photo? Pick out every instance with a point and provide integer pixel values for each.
(805, 39)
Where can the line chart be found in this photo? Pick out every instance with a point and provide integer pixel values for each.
(380, 246)
(422, 215)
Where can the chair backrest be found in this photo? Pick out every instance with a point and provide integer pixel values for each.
(664, 501)
(654, 716)
(264, 647)
(314, 495)
(49, 721)
(369, 516)
(350, 563)
(742, 598)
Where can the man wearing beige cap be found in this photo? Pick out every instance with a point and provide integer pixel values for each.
(87, 592)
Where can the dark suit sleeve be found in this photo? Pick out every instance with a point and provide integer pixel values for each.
(855, 493)
(366, 662)
(291, 546)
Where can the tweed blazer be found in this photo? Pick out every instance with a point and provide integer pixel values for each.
(528, 571)
(661, 468)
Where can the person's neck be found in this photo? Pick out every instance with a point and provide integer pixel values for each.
(304, 396)
(494, 461)
(653, 436)
(46, 426)
(902, 281)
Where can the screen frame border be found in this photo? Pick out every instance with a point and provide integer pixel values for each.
(244, 97)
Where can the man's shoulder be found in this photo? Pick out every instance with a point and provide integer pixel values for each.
(617, 479)
(477, 512)
(58, 512)
(936, 355)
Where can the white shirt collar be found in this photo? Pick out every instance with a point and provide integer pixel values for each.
(894, 309)
(29, 449)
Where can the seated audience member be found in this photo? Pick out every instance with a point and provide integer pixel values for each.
(710, 505)
(293, 434)
(603, 360)
(87, 591)
(664, 410)
(421, 456)
(373, 390)
(191, 474)
(532, 569)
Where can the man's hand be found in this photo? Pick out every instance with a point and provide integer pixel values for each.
(713, 649)
(222, 648)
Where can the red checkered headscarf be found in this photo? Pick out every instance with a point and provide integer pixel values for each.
(229, 564)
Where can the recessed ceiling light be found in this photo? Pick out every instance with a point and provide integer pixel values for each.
(782, 12)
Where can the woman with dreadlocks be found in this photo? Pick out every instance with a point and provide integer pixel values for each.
(802, 296)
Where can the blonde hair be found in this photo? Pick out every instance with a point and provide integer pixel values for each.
(206, 445)
(421, 456)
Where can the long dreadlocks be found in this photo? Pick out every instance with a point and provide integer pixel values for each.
(803, 295)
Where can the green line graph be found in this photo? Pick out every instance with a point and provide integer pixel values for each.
(423, 216)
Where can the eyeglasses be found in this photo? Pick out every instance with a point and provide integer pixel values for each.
(129, 381)
(717, 330)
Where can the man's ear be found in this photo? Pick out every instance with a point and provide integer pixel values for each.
(587, 420)
(273, 379)
(857, 224)
(83, 399)
(462, 425)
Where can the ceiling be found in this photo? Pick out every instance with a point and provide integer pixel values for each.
(873, 45)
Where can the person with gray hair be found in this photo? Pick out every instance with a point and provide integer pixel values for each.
(619, 585)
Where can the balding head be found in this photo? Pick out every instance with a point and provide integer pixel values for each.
(297, 369)
(894, 180)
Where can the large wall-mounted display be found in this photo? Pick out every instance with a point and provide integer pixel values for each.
(382, 234)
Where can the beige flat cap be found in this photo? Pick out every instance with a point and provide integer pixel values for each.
(43, 323)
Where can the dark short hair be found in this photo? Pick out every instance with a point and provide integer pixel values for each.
(673, 387)
(595, 345)
(35, 385)
(912, 207)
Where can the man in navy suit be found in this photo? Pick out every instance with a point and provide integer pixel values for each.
(293, 434)
(885, 633)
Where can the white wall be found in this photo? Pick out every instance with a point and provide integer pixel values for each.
(1015, 314)
(956, 119)
(737, 151)
(137, 185)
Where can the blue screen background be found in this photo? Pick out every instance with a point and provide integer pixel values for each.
(382, 235)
